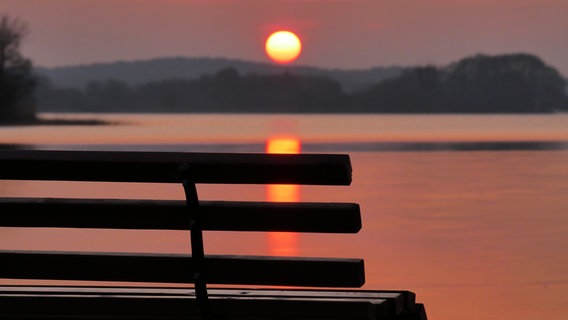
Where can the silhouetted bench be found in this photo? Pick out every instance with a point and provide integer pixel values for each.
(223, 286)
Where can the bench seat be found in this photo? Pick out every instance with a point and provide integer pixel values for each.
(203, 286)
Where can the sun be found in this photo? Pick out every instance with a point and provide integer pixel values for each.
(283, 46)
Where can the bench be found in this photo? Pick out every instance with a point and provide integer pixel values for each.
(196, 285)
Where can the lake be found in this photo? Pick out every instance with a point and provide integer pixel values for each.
(467, 211)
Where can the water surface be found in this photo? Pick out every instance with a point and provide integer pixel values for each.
(469, 212)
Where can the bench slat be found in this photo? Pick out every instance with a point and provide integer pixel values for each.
(177, 268)
(159, 302)
(107, 303)
(163, 167)
(174, 215)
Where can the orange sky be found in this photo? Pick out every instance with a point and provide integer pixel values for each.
(335, 33)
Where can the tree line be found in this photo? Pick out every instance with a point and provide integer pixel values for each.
(480, 84)
(514, 83)
(511, 83)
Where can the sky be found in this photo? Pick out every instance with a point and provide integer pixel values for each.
(344, 34)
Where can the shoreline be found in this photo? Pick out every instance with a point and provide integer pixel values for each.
(314, 147)
(56, 122)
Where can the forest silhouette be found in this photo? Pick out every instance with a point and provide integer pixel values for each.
(510, 83)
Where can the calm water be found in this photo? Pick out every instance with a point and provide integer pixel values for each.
(476, 234)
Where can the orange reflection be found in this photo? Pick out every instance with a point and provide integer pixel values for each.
(283, 145)
(283, 243)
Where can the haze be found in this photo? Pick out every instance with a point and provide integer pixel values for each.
(335, 33)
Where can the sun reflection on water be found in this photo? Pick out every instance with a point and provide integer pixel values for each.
(283, 243)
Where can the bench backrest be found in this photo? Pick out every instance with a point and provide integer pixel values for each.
(187, 170)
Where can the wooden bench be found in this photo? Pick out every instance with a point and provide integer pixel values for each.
(218, 286)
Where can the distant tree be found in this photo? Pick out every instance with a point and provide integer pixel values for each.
(53, 99)
(514, 83)
(16, 80)
(416, 90)
(505, 83)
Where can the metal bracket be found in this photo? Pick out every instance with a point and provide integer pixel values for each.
(196, 237)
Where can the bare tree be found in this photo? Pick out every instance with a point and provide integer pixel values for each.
(16, 80)
(12, 32)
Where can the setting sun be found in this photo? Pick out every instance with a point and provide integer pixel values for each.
(283, 46)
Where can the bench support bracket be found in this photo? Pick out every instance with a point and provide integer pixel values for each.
(196, 237)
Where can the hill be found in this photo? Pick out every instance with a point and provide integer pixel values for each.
(144, 71)
(507, 83)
